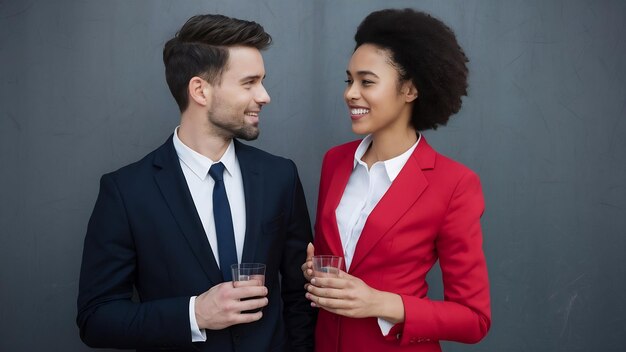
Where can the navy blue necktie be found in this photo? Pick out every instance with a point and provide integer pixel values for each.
(223, 222)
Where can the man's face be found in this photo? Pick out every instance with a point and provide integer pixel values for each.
(237, 101)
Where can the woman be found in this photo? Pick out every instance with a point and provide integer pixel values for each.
(391, 205)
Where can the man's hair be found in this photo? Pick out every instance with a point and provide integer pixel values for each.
(200, 48)
(424, 51)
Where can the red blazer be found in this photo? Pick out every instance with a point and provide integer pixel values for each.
(431, 211)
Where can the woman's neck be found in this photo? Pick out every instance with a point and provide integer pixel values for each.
(388, 145)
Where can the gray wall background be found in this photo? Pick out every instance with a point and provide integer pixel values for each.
(83, 92)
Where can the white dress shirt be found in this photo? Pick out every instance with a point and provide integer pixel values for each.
(364, 190)
(196, 167)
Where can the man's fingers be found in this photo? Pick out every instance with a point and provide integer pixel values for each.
(247, 292)
(247, 289)
(247, 283)
(223, 304)
(248, 317)
(251, 304)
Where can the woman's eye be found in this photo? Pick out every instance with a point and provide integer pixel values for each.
(349, 81)
(366, 82)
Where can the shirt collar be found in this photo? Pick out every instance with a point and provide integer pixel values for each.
(200, 164)
(394, 165)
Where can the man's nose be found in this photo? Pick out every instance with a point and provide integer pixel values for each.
(262, 97)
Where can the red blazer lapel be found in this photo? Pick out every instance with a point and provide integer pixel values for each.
(403, 193)
(338, 173)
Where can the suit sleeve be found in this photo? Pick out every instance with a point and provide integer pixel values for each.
(299, 316)
(464, 314)
(107, 314)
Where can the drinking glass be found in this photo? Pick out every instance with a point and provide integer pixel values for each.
(249, 271)
(326, 265)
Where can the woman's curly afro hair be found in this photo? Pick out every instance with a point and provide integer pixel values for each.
(425, 51)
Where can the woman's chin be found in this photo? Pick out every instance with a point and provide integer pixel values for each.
(360, 128)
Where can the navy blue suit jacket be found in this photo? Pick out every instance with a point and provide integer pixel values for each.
(145, 237)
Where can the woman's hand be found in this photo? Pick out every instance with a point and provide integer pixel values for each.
(349, 296)
(307, 267)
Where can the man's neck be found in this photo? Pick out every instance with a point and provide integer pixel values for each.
(201, 139)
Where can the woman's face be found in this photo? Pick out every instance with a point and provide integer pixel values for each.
(378, 102)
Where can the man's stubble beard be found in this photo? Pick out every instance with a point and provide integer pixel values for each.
(247, 133)
(226, 130)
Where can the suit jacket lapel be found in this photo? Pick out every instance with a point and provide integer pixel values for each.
(338, 182)
(403, 193)
(171, 181)
(252, 188)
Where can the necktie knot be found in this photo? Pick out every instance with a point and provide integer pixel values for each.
(217, 171)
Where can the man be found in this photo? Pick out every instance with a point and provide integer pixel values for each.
(170, 225)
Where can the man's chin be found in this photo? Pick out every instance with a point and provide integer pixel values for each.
(247, 134)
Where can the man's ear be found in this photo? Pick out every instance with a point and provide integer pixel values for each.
(410, 92)
(199, 91)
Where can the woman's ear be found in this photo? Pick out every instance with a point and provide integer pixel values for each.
(199, 91)
(410, 92)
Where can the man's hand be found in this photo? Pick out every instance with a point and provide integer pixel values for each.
(221, 306)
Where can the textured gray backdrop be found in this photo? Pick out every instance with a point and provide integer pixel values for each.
(83, 92)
